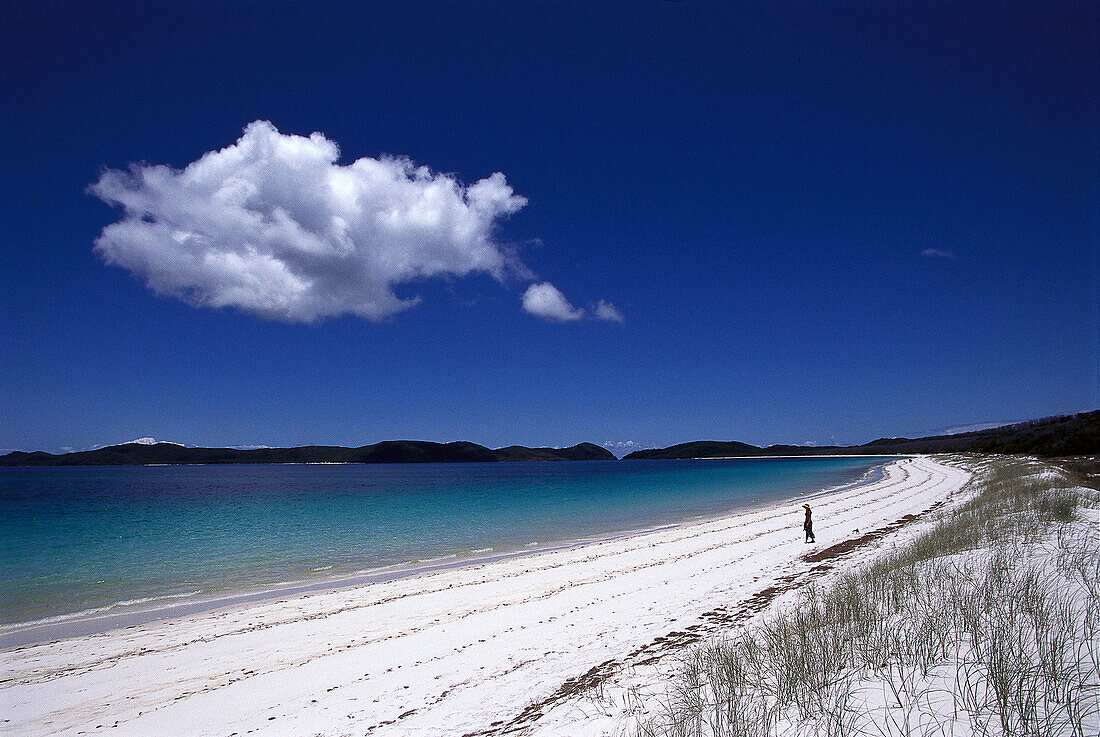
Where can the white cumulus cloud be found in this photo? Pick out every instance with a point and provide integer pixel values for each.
(274, 226)
(545, 300)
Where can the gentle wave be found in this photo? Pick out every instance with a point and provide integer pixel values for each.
(87, 613)
(452, 556)
(147, 599)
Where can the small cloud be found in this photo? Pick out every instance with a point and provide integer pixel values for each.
(621, 447)
(145, 441)
(607, 311)
(809, 444)
(546, 301)
(939, 253)
(250, 447)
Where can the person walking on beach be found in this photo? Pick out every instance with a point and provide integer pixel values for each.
(808, 525)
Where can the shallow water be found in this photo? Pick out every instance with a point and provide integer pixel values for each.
(81, 540)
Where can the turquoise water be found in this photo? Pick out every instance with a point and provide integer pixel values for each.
(91, 539)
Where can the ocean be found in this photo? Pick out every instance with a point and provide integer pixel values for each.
(82, 541)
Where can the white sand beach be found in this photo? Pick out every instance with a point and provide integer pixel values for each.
(484, 649)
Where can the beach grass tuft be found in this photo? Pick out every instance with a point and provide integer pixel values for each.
(986, 624)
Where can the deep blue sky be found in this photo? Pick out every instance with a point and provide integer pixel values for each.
(821, 222)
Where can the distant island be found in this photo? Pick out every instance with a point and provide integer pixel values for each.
(389, 451)
(1067, 435)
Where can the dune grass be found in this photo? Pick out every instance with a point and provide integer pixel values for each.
(987, 624)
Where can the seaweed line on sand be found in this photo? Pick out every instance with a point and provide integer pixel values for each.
(711, 623)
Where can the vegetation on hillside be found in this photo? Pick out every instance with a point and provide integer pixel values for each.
(1066, 435)
(390, 451)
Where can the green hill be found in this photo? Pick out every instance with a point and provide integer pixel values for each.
(1066, 435)
(389, 451)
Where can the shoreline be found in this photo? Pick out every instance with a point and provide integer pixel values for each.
(464, 647)
(17, 635)
(101, 619)
(805, 455)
